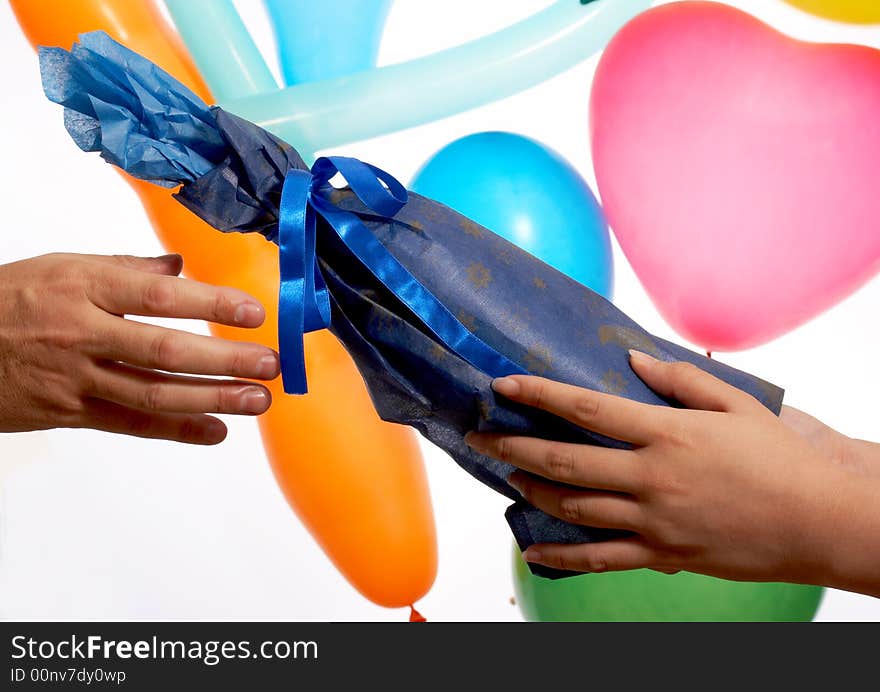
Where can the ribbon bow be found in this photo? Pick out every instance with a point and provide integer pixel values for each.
(304, 301)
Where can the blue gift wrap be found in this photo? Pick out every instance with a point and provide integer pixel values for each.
(430, 305)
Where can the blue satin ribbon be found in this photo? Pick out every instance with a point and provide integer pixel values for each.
(304, 302)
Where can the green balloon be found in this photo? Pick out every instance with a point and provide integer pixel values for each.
(646, 596)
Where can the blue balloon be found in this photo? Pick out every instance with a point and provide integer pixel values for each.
(528, 194)
(319, 40)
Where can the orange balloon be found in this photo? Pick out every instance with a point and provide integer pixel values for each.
(139, 25)
(356, 482)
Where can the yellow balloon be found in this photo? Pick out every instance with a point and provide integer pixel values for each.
(855, 11)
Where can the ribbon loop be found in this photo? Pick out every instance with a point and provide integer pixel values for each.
(365, 181)
(304, 301)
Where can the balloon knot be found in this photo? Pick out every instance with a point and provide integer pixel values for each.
(415, 615)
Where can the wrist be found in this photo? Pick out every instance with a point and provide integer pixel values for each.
(847, 553)
(861, 456)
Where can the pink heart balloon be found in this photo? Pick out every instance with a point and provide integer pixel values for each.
(739, 169)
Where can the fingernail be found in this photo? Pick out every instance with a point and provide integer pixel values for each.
(532, 555)
(215, 431)
(268, 367)
(641, 358)
(506, 386)
(254, 400)
(514, 482)
(247, 313)
(472, 440)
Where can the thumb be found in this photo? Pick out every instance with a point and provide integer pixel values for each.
(169, 265)
(686, 383)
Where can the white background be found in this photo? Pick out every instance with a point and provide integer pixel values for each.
(100, 527)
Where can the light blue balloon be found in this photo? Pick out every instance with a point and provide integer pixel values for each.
(528, 194)
(319, 40)
(222, 48)
(330, 112)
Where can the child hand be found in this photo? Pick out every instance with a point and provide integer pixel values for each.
(724, 488)
(856, 456)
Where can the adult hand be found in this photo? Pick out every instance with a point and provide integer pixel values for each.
(69, 358)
